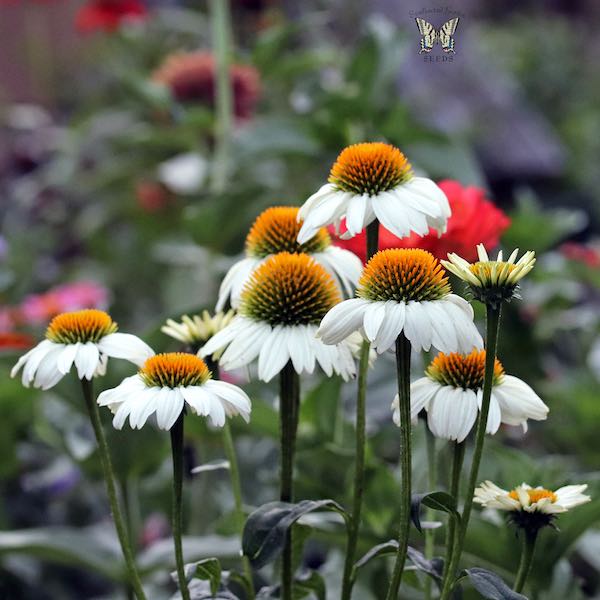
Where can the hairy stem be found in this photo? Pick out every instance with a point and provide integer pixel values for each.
(529, 539)
(109, 478)
(177, 518)
(403, 372)
(492, 324)
(430, 513)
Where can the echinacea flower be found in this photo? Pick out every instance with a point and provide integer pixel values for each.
(168, 383)
(198, 329)
(278, 316)
(108, 15)
(276, 230)
(404, 291)
(375, 181)
(191, 78)
(491, 281)
(451, 393)
(84, 338)
(530, 508)
(475, 219)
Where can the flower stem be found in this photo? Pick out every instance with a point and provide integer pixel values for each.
(431, 485)
(492, 323)
(359, 466)
(359, 472)
(529, 539)
(289, 403)
(236, 483)
(457, 461)
(109, 478)
(221, 32)
(236, 487)
(177, 451)
(403, 372)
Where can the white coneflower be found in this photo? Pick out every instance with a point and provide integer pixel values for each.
(165, 385)
(278, 316)
(528, 499)
(404, 291)
(451, 394)
(375, 181)
(276, 230)
(197, 329)
(83, 338)
(491, 281)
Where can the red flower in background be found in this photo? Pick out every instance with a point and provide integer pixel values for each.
(191, 78)
(475, 220)
(107, 15)
(588, 255)
(12, 340)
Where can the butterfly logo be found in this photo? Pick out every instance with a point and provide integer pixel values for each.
(431, 35)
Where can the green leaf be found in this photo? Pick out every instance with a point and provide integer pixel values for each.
(441, 501)
(491, 586)
(389, 547)
(266, 528)
(208, 569)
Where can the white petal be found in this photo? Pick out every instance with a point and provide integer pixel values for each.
(342, 320)
(234, 281)
(86, 360)
(126, 346)
(395, 315)
(373, 319)
(66, 358)
(169, 404)
(273, 355)
(47, 374)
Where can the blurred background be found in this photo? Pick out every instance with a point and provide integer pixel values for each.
(122, 189)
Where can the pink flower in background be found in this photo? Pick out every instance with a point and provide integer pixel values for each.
(40, 308)
(475, 220)
(107, 15)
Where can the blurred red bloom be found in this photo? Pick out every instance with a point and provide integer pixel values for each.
(40, 308)
(107, 15)
(475, 220)
(581, 253)
(152, 196)
(12, 340)
(191, 78)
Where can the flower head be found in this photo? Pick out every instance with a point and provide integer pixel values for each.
(492, 281)
(404, 291)
(165, 385)
(197, 329)
(375, 181)
(279, 311)
(276, 230)
(474, 220)
(452, 390)
(191, 78)
(108, 15)
(84, 338)
(530, 508)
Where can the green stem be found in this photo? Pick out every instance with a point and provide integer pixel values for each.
(221, 31)
(372, 244)
(529, 539)
(177, 451)
(359, 472)
(236, 482)
(236, 487)
(457, 461)
(492, 324)
(430, 513)
(289, 401)
(109, 478)
(403, 372)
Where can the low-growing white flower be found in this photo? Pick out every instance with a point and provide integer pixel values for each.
(452, 391)
(84, 338)
(168, 383)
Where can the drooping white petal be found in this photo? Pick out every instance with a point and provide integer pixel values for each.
(32, 359)
(65, 359)
(395, 315)
(169, 404)
(373, 319)
(86, 360)
(235, 399)
(233, 283)
(126, 346)
(47, 374)
(342, 320)
(273, 355)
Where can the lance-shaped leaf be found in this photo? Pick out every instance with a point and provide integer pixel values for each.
(266, 528)
(490, 585)
(441, 501)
